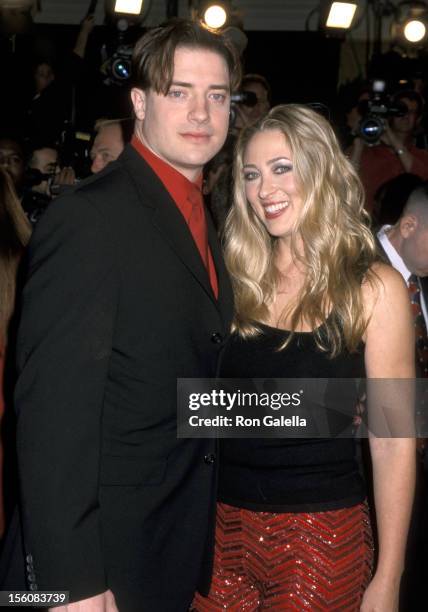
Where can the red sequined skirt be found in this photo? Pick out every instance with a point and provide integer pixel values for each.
(319, 561)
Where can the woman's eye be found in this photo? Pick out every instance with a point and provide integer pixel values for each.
(250, 176)
(282, 169)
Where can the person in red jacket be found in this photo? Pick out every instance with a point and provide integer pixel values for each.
(395, 154)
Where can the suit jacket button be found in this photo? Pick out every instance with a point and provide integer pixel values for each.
(33, 586)
(32, 577)
(29, 558)
(209, 459)
(217, 338)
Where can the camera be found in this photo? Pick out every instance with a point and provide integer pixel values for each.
(118, 67)
(34, 177)
(376, 111)
(247, 98)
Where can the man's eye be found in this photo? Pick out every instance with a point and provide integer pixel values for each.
(218, 97)
(175, 93)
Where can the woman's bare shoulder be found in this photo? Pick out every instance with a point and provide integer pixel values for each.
(382, 287)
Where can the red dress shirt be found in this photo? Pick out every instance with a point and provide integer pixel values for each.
(188, 199)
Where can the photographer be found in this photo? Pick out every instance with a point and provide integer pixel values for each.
(12, 159)
(258, 90)
(111, 136)
(394, 154)
(43, 172)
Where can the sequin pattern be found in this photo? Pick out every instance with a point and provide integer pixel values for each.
(318, 562)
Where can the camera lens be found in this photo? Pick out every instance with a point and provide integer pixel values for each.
(121, 69)
(371, 129)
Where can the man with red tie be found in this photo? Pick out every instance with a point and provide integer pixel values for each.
(127, 292)
(406, 247)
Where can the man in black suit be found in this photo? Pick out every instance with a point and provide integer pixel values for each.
(405, 245)
(127, 292)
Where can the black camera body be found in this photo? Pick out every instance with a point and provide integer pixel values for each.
(118, 67)
(375, 113)
(247, 98)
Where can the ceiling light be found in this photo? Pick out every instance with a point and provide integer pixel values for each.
(414, 31)
(215, 16)
(129, 7)
(410, 26)
(341, 15)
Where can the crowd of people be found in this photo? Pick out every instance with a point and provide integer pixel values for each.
(309, 261)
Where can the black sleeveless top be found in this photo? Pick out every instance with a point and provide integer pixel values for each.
(288, 475)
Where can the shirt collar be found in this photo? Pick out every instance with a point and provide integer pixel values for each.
(393, 255)
(178, 186)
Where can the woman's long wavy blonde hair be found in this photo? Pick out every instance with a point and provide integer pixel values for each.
(338, 247)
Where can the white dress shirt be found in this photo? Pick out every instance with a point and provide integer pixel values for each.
(398, 263)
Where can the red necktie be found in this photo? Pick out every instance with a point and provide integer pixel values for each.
(198, 226)
(420, 326)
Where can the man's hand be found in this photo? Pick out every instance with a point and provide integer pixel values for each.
(391, 140)
(388, 138)
(104, 602)
(67, 176)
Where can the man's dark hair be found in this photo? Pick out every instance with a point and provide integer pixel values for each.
(37, 146)
(257, 78)
(153, 57)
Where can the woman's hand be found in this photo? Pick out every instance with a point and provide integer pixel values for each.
(381, 596)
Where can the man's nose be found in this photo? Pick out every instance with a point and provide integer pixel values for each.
(199, 110)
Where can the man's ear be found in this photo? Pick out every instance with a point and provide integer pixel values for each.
(138, 97)
(408, 225)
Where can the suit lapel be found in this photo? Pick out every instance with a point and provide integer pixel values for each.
(225, 295)
(424, 288)
(169, 221)
(381, 251)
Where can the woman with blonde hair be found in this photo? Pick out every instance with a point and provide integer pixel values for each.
(293, 531)
(15, 231)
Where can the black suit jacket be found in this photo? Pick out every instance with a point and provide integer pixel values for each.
(424, 287)
(117, 306)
